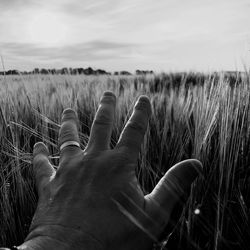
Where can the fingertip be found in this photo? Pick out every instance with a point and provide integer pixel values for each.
(181, 176)
(109, 93)
(178, 179)
(69, 114)
(193, 164)
(108, 97)
(40, 148)
(144, 98)
(68, 110)
(143, 103)
(197, 165)
(172, 192)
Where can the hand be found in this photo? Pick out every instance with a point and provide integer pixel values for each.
(93, 200)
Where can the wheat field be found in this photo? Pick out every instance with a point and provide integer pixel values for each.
(202, 116)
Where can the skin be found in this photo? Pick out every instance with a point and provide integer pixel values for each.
(93, 200)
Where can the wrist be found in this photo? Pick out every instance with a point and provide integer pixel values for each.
(59, 237)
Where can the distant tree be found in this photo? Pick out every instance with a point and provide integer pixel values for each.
(36, 71)
(44, 71)
(125, 73)
(52, 71)
(12, 72)
(144, 72)
(88, 71)
(101, 72)
(58, 71)
(64, 71)
(79, 71)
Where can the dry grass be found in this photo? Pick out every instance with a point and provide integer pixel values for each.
(194, 116)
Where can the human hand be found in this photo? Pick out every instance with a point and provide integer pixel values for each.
(93, 200)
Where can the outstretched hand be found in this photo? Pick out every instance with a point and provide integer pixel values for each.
(93, 200)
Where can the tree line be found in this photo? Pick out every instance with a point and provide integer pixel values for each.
(73, 71)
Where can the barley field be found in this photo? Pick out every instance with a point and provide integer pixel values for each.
(202, 116)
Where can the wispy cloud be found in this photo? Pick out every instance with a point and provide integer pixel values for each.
(90, 51)
(16, 5)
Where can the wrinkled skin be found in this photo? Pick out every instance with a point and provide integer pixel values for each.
(93, 200)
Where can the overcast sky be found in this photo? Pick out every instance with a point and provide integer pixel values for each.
(125, 34)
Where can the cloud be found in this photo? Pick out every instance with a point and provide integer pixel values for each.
(83, 8)
(90, 51)
(15, 5)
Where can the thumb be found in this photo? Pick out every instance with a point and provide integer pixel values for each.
(42, 167)
(173, 189)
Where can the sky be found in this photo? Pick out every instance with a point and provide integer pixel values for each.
(162, 35)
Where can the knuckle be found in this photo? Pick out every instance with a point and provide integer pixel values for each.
(122, 154)
(64, 171)
(176, 184)
(70, 161)
(45, 189)
(69, 114)
(108, 99)
(136, 126)
(68, 132)
(103, 118)
(144, 105)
